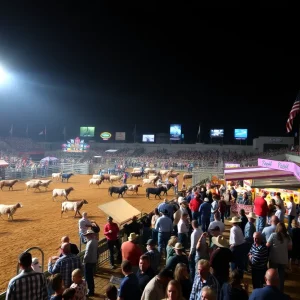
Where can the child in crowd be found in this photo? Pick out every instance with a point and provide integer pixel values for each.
(57, 286)
(111, 293)
(79, 285)
(69, 294)
(35, 265)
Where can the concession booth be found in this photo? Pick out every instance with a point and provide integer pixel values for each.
(270, 175)
(3, 165)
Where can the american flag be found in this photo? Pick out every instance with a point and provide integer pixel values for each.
(293, 113)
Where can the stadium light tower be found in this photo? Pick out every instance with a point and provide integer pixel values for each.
(3, 75)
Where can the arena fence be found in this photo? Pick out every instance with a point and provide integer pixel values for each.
(206, 173)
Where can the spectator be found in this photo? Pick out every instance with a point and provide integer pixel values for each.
(79, 285)
(204, 214)
(84, 224)
(73, 247)
(291, 211)
(170, 247)
(183, 230)
(270, 229)
(181, 274)
(111, 231)
(270, 291)
(173, 291)
(111, 292)
(145, 272)
(129, 287)
(131, 251)
(69, 294)
(180, 257)
(28, 284)
(295, 235)
(216, 223)
(156, 287)
(244, 220)
(164, 226)
(208, 293)
(36, 265)
(261, 210)
(153, 223)
(154, 255)
(222, 208)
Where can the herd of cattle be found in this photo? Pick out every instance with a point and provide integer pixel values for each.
(153, 177)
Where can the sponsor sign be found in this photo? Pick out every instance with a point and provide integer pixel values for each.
(105, 135)
(120, 136)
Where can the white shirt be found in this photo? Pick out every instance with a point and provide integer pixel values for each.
(213, 224)
(182, 227)
(291, 207)
(83, 223)
(195, 236)
(214, 206)
(280, 214)
(236, 236)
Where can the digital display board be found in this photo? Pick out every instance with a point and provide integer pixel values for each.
(175, 132)
(217, 133)
(75, 145)
(87, 131)
(148, 138)
(240, 134)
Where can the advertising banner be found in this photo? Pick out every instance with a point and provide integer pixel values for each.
(105, 136)
(231, 165)
(120, 136)
(175, 132)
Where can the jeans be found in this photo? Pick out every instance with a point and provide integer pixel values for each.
(163, 238)
(290, 219)
(280, 269)
(258, 278)
(238, 259)
(192, 265)
(111, 244)
(222, 215)
(227, 213)
(89, 277)
(183, 239)
(154, 235)
(204, 223)
(195, 215)
(260, 223)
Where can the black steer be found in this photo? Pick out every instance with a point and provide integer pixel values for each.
(167, 187)
(117, 190)
(154, 191)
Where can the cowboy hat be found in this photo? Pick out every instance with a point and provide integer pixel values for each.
(178, 246)
(235, 220)
(220, 241)
(89, 232)
(251, 215)
(132, 236)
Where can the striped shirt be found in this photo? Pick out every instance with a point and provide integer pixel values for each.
(260, 256)
(211, 281)
(27, 285)
(65, 265)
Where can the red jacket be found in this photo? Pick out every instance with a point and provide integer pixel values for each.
(194, 205)
(115, 230)
(261, 207)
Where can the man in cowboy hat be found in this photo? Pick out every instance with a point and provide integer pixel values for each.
(90, 259)
(237, 245)
(220, 259)
(180, 257)
(204, 214)
(249, 231)
(131, 251)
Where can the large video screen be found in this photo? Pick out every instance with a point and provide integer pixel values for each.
(175, 132)
(87, 131)
(148, 138)
(75, 145)
(217, 133)
(240, 134)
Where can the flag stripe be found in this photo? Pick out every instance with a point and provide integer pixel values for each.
(293, 113)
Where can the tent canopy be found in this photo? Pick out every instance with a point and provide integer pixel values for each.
(3, 163)
(49, 158)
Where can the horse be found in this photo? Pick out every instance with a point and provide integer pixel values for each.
(66, 176)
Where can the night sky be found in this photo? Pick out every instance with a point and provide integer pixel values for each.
(113, 68)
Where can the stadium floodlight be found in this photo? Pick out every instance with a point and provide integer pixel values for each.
(3, 75)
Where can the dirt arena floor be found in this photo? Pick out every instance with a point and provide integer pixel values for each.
(39, 223)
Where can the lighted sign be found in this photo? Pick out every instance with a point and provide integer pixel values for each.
(105, 135)
(75, 145)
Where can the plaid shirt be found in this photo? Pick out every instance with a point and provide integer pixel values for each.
(27, 285)
(211, 281)
(65, 265)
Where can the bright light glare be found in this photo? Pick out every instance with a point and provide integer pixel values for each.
(3, 75)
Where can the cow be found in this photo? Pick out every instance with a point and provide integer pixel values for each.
(172, 175)
(136, 174)
(167, 187)
(133, 187)
(154, 191)
(117, 190)
(113, 178)
(66, 176)
(187, 176)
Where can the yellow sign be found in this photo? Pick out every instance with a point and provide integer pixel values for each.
(105, 135)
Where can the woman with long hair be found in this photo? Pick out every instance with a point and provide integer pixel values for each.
(181, 274)
(279, 243)
(170, 247)
(173, 291)
(233, 290)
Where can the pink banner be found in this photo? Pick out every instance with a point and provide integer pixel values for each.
(280, 165)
